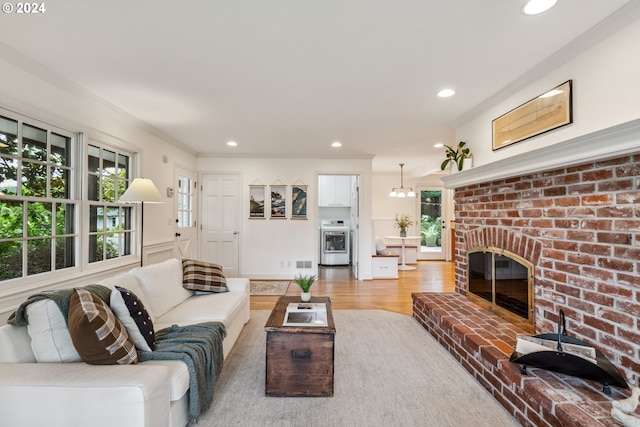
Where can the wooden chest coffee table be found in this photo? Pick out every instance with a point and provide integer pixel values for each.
(299, 358)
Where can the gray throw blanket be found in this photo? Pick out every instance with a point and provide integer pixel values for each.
(60, 297)
(199, 346)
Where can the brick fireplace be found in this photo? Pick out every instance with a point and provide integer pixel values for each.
(579, 225)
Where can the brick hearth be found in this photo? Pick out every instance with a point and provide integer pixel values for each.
(482, 342)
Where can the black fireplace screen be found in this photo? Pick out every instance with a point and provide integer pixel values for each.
(502, 281)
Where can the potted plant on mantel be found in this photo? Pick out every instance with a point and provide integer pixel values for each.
(403, 223)
(456, 156)
(305, 282)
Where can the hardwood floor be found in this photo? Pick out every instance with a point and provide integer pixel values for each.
(388, 294)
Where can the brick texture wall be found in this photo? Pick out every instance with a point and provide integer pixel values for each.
(580, 227)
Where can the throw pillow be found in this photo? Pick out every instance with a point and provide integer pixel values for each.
(130, 310)
(50, 339)
(203, 276)
(381, 247)
(97, 334)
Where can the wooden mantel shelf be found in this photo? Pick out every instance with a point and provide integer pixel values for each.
(605, 144)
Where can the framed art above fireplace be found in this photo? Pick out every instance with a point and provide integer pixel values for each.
(544, 113)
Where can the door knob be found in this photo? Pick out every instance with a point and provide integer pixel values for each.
(235, 232)
(178, 234)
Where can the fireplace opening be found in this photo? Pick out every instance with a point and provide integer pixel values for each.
(502, 282)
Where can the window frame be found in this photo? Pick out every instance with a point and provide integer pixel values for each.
(72, 201)
(130, 230)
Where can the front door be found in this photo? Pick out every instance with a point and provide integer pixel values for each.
(185, 213)
(220, 220)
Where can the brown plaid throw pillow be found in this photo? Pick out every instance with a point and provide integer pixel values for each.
(97, 334)
(203, 276)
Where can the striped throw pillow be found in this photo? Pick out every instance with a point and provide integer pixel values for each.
(203, 276)
(97, 334)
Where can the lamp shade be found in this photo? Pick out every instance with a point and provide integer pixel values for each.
(142, 190)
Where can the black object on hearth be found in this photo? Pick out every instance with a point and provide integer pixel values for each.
(561, 361)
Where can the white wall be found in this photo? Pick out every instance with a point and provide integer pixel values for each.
(606, 92)
(266, 244)
(27, 89)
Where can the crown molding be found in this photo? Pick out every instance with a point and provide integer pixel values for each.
(604, 144)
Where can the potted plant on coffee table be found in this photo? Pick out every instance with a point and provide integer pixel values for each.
(305, 282)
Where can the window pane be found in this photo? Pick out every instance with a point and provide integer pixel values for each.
(60, 149)
(108, 189)
(108, 162)
(94, 159)
(8, 136)
(113, 245)
(39, 256)
(8, 176)
(34, 142)
(60, 183)
(11, 260)
(96, 218)
(10, 219)
(123, 166)
(65, 252)
(64, 218)
(93, 188)
(95, 248)
(34, 179)
(126, 246)
(112, 219)
(39, 219)
(125, 218)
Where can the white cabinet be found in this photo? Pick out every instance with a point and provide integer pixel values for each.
(384, 266)
(334, 190)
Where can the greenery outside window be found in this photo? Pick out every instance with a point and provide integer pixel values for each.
(38, 204)
(110, 222)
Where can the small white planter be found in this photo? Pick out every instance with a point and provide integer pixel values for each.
(305, 296)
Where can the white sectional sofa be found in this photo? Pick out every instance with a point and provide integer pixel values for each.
(151, 394)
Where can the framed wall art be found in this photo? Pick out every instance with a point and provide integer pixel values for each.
(278, 202)
(298, 201)
(256, 201)
(546, 112)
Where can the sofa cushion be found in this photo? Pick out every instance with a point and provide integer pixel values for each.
(50, 339)
(97, 334)
(162, 285)
(130, 282)
(130, 310)
(208, 307)
(203, 276)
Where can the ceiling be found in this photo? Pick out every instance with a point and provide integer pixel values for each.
(289, 77)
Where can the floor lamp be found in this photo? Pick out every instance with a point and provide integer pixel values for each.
(142, 191)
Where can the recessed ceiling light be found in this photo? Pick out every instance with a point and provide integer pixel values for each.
(445, 93)
(232, 144)
(336, 144)
(438, 145)
(534, 7)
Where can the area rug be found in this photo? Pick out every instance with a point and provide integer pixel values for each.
(269, 287)
(388, 372)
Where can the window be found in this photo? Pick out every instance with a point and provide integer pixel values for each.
(110, 223)
(185, 202)
(38, 204)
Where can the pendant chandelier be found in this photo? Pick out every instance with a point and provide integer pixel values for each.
(402, 192)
